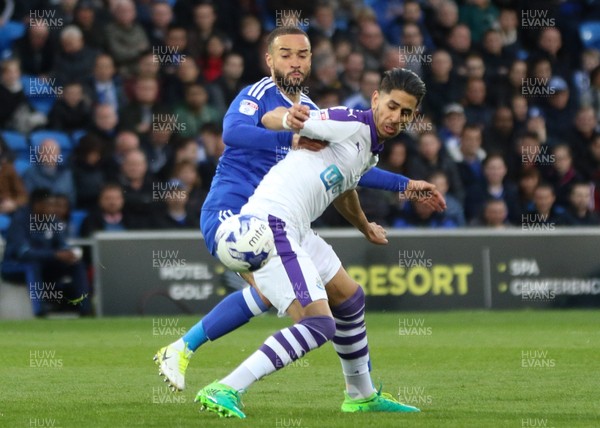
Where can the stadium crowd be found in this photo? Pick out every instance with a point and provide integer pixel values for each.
(115, 107)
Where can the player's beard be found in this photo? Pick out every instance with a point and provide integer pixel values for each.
(291, 85)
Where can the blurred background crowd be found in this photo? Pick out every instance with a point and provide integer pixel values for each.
(112, 109)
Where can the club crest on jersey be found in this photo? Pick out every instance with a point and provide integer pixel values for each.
(248, 107)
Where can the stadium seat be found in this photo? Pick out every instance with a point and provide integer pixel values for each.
(4, 224)
(21, 165)
(77, 217)
(63, 139)
(10, 32)
(76, 136)
(16, 142)
(590, 34)
(40, 92)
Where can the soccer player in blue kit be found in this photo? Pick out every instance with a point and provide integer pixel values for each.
(251, 151)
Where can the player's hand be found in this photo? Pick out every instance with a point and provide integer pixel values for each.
(376, 234)
(298, 114)
(422, 192)
(299, 142)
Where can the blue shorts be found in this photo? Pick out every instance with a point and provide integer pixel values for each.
(209, 223)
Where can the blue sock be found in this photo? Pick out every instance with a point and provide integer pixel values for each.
(232, 312)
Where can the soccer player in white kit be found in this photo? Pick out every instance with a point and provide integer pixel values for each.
(294, 193)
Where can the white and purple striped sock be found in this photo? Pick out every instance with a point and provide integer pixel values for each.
(281, 349)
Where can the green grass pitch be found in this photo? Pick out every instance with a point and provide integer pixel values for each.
(463, 369)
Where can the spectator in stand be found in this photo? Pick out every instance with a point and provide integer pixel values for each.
(443, 87)
(454, 209)
(475, 67)
(558, 112)
(469, 155)
(88, 171)
(479, 15)
(186, 172)
(499, 137)
(195, 111)
(494, 185)
(544, 213)
(49, 170)
(430, 158)
(157, 148)
(211, 136)
(550, 46)
(175, 213)
(371, 44)
(125, 38)
(36, 50)
(125, 142)
(496, 59)
(529, 180)
(592, 95)
(369, 83)
(138, 187)
(15, 111)
(174, 52)
(413, 50)
(74, 60)
(105, 86)
(509, 23)
(453, 123)
(520, 109)
(224, 90)
(459, 46)
(205, 19)
(354, 66)
(71, 112)
(212, 61)
(476, 109)
(582, 134)
(446, 18)
(504, 87)
(13, 194)
(139, 114)
(108, 215)
(37, 253)
(322, 23)
(161, 16)
(91, 25)
(248, 45)
(174, 87)
(580, 201)
(395, 157)
(413, 14)
(493, 215)
(562, 174)
(590, 59)
(105, 126)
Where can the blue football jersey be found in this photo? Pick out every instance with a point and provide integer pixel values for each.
(250, 149)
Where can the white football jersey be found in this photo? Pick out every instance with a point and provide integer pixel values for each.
(299, 188)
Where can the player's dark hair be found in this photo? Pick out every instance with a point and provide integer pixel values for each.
(283, 31)
(404, 80)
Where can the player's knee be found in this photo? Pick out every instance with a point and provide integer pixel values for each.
(324, 326)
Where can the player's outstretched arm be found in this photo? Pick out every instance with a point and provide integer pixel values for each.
(282, 118)
(348, 205)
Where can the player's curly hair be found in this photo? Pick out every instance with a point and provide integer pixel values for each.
(404, 80)
(283, 31)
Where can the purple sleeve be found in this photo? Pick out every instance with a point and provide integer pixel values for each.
(377, 178)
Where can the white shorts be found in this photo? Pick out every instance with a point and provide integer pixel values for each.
(322, 255)
(291, 273)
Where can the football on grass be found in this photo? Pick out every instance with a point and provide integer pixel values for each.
(245, 243)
